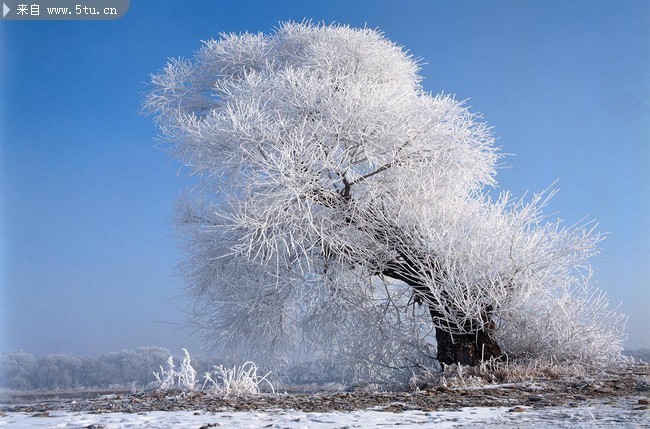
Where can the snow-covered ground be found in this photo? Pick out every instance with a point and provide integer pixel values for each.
(580, 417)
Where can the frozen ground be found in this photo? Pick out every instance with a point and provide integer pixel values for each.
(616, 399)
(588, 416)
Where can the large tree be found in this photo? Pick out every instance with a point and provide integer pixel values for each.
(342, 208)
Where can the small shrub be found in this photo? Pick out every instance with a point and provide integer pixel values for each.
(241, 380)
(184, 378)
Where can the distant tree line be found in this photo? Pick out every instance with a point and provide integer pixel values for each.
(127, 368)
(134, 369)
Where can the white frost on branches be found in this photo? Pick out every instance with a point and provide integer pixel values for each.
(184, 378)
(242, 380)
(323, 169)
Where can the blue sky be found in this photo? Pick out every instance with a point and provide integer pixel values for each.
(86, 200)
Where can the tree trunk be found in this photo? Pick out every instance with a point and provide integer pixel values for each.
(466, 349)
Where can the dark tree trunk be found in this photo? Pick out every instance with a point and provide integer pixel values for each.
(466, 349)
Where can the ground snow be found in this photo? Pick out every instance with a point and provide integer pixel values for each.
(574, 418)
(279, 419)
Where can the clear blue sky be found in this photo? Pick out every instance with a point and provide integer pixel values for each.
(87, 254)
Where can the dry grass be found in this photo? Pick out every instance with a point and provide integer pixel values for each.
(504, 372)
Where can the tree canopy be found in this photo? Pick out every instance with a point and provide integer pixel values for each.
(342, 210)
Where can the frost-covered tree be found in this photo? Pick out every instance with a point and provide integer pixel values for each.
(342, 210)
(17, 371)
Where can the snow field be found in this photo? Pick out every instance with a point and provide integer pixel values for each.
(580, 417)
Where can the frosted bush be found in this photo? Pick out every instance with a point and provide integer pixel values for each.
(238, 380)
(184, 378)
(166, 378)
(242, 380)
